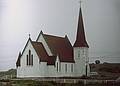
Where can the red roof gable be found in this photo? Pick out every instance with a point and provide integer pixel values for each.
(60, 46)
(41, 52)
(51, 60)
(80, 38)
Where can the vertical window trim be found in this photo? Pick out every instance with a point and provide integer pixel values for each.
(29, 57)
(57, 66)
(39, 61)
(83, 52)
(27, 60)
(78, 53)
(65, 67)
(32, 59)
(71, 67)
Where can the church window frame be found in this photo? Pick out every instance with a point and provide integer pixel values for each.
(65, 67)
(78, 53)
(29, 57)
(31, 60)
(27, 60)
(39, 61)
(72, 68)
(83, 52)
(57, 66)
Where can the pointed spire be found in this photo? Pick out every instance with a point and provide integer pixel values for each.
(29, 35)
(66, 37)
(80, 3)
(80, 38)
(41, 32)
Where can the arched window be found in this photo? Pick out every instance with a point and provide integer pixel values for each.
(32, 59)
(39, 61)
(83, 51)
(57, 66)
(27, 60)
(71, 67)
(65, 67)
(78, 53)
(29, 57)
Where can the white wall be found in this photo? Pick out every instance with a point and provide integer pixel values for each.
(81, 60)
(41, 69)
(37, 70)
(61, 69)
(52, 69)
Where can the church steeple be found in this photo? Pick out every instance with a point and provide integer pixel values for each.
(80, 38)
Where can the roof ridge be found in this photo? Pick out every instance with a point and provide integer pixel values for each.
(36, 42)
(53, 36)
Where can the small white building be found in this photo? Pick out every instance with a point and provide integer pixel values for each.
(53, 56)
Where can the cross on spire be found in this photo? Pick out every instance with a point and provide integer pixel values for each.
(29, 35)
(80, 2)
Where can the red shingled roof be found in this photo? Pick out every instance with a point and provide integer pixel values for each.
(80, 39)
(51, 60)
(41, 52)
(60, 46)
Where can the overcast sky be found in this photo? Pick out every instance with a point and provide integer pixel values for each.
(18, 18)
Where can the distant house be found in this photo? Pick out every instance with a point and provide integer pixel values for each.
(53, 56)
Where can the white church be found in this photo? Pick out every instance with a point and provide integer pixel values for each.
(53, 56)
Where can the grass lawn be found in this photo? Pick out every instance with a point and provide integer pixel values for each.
(49, 83)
